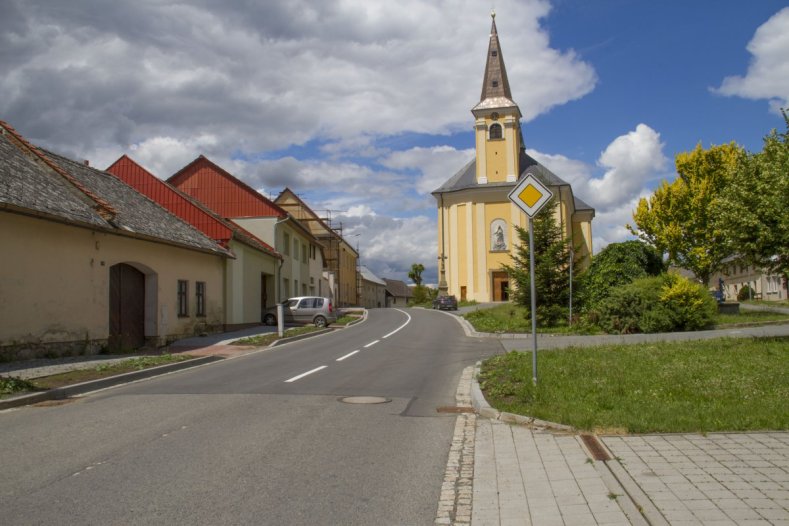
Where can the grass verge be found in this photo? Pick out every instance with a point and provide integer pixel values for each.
(12, 385)
(748, 317)
(261, 340)
(345, 320)
(676, 387)
(511, 318)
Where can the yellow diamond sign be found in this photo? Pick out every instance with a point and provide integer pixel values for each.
(530, 195)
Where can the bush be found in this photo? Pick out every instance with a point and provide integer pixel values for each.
(423, 295)
(616, 265)
(691, 306)
(662, 303)
(745, 293)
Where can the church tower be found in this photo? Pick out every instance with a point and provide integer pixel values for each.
(497, 120)
(477, 223)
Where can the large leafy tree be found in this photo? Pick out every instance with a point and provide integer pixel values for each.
(682, 218)
(551, 267)
(755, 209)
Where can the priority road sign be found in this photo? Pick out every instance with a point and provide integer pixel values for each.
(530, 195)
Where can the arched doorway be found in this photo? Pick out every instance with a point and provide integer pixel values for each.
(127, 308)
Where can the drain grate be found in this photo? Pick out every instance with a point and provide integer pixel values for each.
(594, 446)
(364, 400)
(455, 409)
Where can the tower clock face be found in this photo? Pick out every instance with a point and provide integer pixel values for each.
(494, 116)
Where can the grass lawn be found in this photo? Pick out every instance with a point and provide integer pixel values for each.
(270, 337)
(749, 317)
(510, 318)
(13, 385)
(701, 386)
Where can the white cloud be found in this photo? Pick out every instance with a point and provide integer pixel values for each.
(768, 71)
(266, 76)
(434, 165)
(631, 162)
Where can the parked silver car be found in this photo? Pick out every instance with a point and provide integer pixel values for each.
(304, 309)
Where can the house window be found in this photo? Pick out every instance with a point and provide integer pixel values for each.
(295, 287)
(495, 131)
(296, 249)
(183, 298)
(200, 293)
(286, 244)
(304, 253)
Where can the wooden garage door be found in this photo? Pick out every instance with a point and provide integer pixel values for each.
(127, 308)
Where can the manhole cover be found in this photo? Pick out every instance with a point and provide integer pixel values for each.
(365, 400)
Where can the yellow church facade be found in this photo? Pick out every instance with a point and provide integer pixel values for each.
(476, 220)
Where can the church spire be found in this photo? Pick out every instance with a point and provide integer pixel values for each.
(495, 83)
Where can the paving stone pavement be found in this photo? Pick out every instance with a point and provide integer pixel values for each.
(530, 476)
(720, 478)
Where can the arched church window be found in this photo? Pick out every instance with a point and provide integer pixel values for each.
(495, 131)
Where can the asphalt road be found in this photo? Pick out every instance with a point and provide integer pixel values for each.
(237, 443)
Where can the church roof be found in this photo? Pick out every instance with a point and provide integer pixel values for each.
(466, 179)
(496, 91)
(467, 176)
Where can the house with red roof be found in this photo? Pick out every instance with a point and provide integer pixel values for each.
(251, 274)
(301, 270)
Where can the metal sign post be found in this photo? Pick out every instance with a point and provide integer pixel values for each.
(530, 195)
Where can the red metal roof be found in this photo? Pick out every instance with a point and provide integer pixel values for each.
(157, 190)
(222, 192)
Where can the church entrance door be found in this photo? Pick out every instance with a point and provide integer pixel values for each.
(501, 285)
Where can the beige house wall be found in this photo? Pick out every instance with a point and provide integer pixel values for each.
(243, 284)
(54, 283)
(297, 274)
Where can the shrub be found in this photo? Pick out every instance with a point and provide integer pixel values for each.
(616, 265)
(745, 293)
(689, 303)
(423, 295)
(668, 302)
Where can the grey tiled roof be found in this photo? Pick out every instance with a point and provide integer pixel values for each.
(466, 179)
(367, 275)
(69, 191)
(395, 287)
(26, 183)
(135, 212)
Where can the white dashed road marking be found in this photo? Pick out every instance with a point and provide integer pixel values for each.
(347, 355)
(302, 375)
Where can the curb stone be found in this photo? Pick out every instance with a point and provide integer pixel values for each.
(485, 410)
(59, 393)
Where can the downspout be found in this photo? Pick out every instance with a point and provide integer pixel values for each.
(281, 262)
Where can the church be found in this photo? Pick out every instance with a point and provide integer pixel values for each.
(476, 219)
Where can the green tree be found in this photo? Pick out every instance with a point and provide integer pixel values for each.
(618, 264)
(551, 268)
(416, 273)
(682, 218)
(755, 209)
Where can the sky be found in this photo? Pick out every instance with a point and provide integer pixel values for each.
(362, 107)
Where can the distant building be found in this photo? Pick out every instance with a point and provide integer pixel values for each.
(736, 274)
(340, 258)
(397, 293)
(476, 220)
(373, 289)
